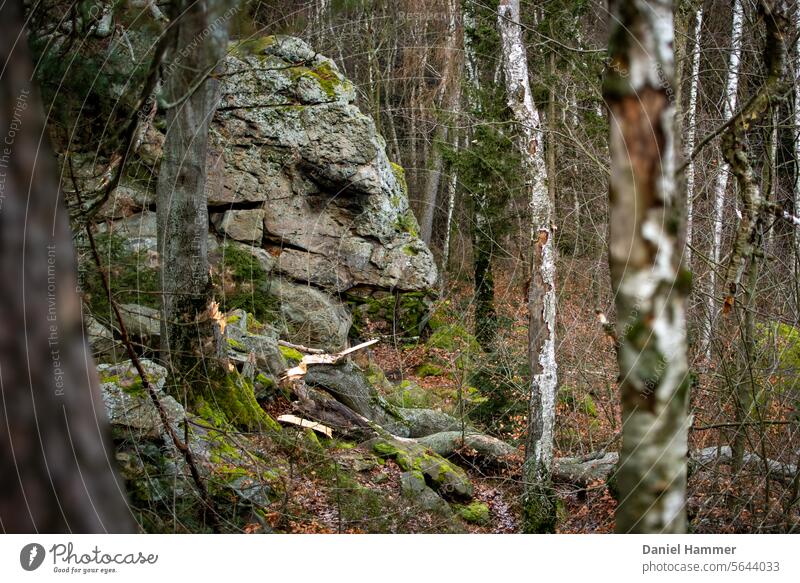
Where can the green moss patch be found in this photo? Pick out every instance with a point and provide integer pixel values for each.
(292, 355)
(474, 513)
(231, 400)
(429, 369)
(240, 281)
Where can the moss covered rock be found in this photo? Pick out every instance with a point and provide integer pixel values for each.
(447, 479)
(402, 313)
(475, 513)
(130, 409)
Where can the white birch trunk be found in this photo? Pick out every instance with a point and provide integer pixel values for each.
(542, 294)
(644, 261)
(452, 183)
(797, 143)
(691, 134)
(470, 59)
(772, 195)
(721, 184)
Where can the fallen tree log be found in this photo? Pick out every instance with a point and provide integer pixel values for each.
(723, 455)
(489, 448)
(322, 407)
(581, 471)
(306, 424)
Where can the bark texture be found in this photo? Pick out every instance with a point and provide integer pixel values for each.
(691, 133)
(447, 99)
(797, 151)
(58, 473)
(187, 329)
(644, 261)
(539, 501)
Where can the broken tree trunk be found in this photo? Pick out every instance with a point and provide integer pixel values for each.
(188, 335)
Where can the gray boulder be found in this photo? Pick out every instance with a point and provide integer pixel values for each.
(101, 341)
(130, 409)
(447, 479)
(309, 316)
(422, 422)
(288, 133)
(142, 323)
(413, 487)
(264, 346)
(241, 225)
(140, 231)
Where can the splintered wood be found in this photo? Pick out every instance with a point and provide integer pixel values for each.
(305, 423)
(302, 368)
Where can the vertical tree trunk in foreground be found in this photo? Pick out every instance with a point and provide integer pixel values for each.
(644, 261)
(56, 465)
(539, 502)
(186, 328)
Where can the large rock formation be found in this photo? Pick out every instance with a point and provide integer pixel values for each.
(300, 177)
(288, 137)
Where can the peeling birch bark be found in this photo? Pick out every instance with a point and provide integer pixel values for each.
(797, 147)
(691, 134)
(539, 505)
(650, 289)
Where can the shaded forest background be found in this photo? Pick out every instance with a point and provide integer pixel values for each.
(455, 141)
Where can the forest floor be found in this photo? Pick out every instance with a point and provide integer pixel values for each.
(588, 417)
(588, 420)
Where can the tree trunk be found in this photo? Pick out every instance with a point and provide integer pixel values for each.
(448, 97)
(482, 239)
(721, 184)
(754, 212)
(57, 466)
(187, 329)
(539, 501)
(482, 251)
(644, 261)
(691, 132)
(797, 161)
